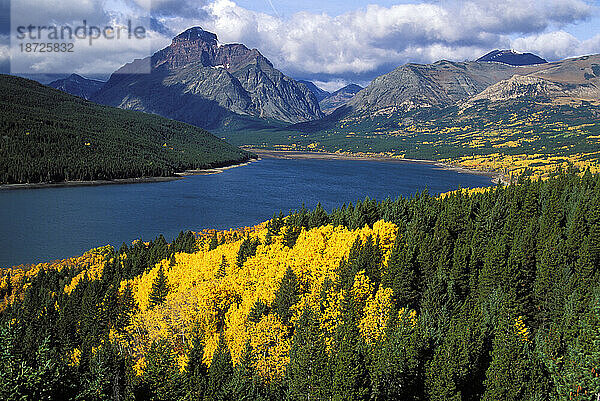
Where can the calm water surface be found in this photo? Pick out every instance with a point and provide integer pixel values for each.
(39, 225)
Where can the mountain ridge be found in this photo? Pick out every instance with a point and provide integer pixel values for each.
(50, 136)
(77, 85)
(198, 81)
(339, 98)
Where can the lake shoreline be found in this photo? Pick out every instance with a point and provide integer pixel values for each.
(495, 177)
(123, 181)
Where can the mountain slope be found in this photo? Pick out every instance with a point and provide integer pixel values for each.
(339, 98)
(200, 82)
(77, 85)
(571, 80)
(319, 93)
(51, 136)
(511, 57)
(539, 118)
(441, 84)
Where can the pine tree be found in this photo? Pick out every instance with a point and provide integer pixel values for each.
(247, 249)
(160, 288)
(220, 374)
(292, 232)
(287, 295)
(161, 380)
(512, 373)
(245, 385)
(258, 310)
(222, 271)
(214, 242)
(401, 275)
(196, 371)
(349, 375)
(127, 305)
(306, 373)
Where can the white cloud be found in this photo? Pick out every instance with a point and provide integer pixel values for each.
(366, 42)
(557, 45)
(360, 44)
(332, 85)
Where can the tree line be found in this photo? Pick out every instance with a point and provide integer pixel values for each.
(487, 296)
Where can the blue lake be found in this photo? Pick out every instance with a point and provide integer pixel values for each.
(40, 225)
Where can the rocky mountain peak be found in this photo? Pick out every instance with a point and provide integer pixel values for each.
(512, 57)
(196, 34)
(199, 81)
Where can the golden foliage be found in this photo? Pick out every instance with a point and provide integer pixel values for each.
(202, 300)
(522, 330)
(376, 316)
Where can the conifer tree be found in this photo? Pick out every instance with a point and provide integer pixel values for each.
(514, 369)
(214, 242)
(196, 371)
(222, 271)
(247, 250)
(306, 373)
(161, 380)
(160, 288)
(349, 375)
(287, 295)
(258, 310)
(220, 374)
(245, 385)
(401, 275)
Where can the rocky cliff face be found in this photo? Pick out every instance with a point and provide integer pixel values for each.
(77, 85)
(319, 93)
(198, 81)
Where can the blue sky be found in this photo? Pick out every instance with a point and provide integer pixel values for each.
(334, 42)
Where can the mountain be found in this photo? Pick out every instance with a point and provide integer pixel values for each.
(77, 85)
(571, 80)
(487, 116)
(512, 57)
(52, 136)
(339, 98)
(415, 86)
(198, 81)
(445, 83)
(319, 93)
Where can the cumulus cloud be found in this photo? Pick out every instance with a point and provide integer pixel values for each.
(363, 43)
(557, 45)
(360, 44)
(104, 56)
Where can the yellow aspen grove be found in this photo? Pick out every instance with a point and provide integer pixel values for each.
(210, 292)
(376, 315)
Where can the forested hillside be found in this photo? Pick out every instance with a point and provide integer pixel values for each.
(50, 136)
(490, 294)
